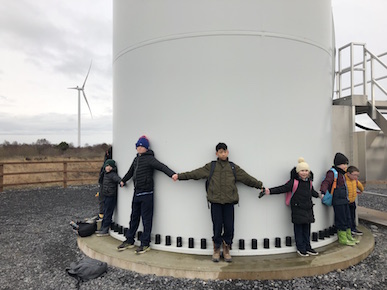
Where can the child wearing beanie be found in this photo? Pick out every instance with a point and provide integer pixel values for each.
(101, 198)
(141, 171)
(109, 187)
(340, 199)
(301, 205)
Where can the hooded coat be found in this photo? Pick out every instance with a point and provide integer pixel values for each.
(301, 202)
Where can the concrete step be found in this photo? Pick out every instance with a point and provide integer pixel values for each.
(375, 216)
(263, 267)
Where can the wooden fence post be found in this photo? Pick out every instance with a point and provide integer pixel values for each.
(64, 174)
(1, 176)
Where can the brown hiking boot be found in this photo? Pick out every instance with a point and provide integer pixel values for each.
(226, 253)
(216, 254)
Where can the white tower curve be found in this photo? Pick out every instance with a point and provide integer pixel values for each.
(257, 75)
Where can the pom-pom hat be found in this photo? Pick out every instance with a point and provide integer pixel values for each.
(302, 165)
(143, 141)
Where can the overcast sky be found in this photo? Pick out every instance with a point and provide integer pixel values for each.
(46, 46)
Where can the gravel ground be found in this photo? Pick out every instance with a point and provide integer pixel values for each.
(37, 244)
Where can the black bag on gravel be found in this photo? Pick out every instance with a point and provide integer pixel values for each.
(84, 229)
(86, 269)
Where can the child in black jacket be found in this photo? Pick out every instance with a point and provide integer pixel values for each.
(301, 205)
(109, 190)
(141, 171)
(340, 200)
(101, 198)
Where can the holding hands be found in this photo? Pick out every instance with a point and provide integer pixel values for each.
(175, 177)
(262, 193)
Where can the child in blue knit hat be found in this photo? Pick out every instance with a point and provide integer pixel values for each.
(141, 171)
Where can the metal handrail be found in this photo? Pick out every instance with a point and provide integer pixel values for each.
(379, 56)
(368, 57)
(360, 84)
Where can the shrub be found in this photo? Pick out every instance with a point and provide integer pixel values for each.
(63, 146)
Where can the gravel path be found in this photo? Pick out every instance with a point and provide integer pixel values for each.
(37, 244)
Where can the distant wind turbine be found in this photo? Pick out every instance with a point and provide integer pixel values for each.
(79, 105)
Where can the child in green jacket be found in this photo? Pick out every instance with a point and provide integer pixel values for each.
(222, 194)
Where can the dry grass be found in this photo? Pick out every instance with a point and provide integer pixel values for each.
(52, 169)
(27, 162)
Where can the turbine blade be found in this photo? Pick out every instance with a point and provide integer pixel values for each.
(87, 75)
(84, 95)
(76, 88)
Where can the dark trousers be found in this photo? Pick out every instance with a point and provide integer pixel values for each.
(342, 217)
(142, 206)
(101, 199)
(222, 223)
(302, 237)
(110, 203)
(352, 211)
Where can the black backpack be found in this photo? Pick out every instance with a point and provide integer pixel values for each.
(84, 229)
(213, 164)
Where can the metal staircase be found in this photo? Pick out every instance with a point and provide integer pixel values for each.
(361, 75)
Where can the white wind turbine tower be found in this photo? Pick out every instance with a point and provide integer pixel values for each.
(79, 105)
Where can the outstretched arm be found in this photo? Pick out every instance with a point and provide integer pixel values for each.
(162, 167)
(315, 193)
(280, 189)
(129, 174)
(200, 173)
(247, 179)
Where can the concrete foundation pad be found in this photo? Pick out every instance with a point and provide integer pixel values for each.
(262, 267)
